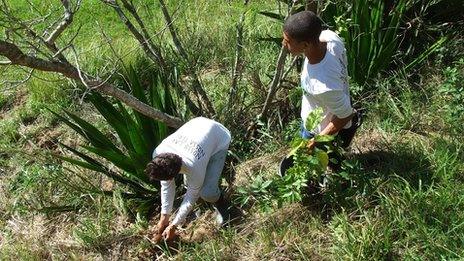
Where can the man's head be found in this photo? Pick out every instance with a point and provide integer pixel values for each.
(164, 166)
(301, 31)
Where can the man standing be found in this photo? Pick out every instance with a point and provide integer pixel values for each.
(324, 77)
(198, 150)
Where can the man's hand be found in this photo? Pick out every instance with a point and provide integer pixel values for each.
(310, 145)
(170, 232)
(163, 223)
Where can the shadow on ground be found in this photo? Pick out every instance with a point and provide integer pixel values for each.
(366, 174)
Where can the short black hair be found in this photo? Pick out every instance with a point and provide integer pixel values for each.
(303, 26)
(164, 166)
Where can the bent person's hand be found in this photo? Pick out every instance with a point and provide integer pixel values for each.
(169, 233)
(157, 236)
(163, 223)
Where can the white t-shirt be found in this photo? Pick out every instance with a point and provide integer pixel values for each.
(325, 84)
(195, 142)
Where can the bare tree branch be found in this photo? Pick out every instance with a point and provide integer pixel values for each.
(289, 69)
(153, 52)
(311, 5)
(150, 49)
(275, 82)
(172, 30)
(14, 84)
(196, 84)
(51, 46)
(131, 8)
(67, 20)
(17, 57)
(238, 64)
(60, 51)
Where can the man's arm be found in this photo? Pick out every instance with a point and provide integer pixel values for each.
(339, 105)
(335, 125)
(168, 192)
(190, 198)
(194, 184)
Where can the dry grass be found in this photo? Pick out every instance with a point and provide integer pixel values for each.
(245, 171)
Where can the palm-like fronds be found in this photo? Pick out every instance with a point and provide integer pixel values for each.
(372, 34)
(137, 135)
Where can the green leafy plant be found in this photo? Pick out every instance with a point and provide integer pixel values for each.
(453, 91)
(308, 168)
(137, 136)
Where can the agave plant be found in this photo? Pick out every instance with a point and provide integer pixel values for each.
(137, 136)
(372, 34)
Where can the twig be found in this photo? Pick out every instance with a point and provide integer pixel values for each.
(148, 46)
(67, 20)
(275, 82)
(17, 57)
(69, 43)
(196, 84)
(152, 51)
(108, 41)
(89, 86)
(238, 64)
(79, 72)
(14, 84)
(289, 69)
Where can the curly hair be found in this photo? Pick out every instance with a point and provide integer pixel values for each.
(164, 166)
(303, 26)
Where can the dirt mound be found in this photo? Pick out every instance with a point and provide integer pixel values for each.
(245, 171)
(203, 228)
(368, 140)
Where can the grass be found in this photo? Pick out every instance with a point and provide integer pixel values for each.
(409, 154)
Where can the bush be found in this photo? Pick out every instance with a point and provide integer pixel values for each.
(453, 91)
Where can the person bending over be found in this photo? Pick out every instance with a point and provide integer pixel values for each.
(198, 150)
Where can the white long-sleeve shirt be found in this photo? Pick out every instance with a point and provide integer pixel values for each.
(195, 142)
(325, 84)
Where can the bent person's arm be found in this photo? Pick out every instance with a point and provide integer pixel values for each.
(168, 193)
(190, 198)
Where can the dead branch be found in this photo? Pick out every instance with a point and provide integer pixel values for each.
(196, 84)
(238, 64)
(275, 82)
(172, 30)
(14, 84)
(289, 69)
(311, 5)
(67, 20)
(60, 51)
(17, 57)
(51, 46)
(150, 49)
